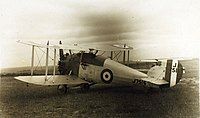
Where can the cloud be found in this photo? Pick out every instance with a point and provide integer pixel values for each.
(162, 23)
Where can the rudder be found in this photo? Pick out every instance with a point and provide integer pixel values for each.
(174, 71)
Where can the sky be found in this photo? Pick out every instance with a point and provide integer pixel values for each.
(154, 28)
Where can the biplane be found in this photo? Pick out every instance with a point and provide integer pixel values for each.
(86, 68)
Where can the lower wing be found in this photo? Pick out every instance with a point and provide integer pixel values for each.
(52, 80)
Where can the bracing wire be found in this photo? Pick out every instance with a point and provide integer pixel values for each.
(45, 53)
(117, 55)
(39, 60)
(102, 53)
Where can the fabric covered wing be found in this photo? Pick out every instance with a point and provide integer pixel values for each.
(107, 47)
(82, 47)
(52, 80)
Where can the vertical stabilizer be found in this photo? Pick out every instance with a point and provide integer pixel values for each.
(174, 71)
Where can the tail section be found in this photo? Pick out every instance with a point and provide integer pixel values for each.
(166, 75)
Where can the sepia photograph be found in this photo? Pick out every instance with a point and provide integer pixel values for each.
(99, 58)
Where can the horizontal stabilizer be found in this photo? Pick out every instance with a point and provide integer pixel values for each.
(52, 80)
(155, 81)
(156, 76)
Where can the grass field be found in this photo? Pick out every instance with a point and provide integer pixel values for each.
(18, 100)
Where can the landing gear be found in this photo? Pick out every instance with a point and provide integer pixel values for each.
(62, 89)
(85, 87)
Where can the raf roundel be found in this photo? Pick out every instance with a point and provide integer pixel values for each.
(107, 76)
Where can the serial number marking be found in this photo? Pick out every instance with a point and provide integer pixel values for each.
(141, 82)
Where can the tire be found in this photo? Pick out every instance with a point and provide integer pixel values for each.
(85, 87)
(62, 89)
(107, 76)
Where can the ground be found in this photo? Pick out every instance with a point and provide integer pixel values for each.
(18, 100)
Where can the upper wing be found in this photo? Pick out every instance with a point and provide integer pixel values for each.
(107, 47)
(83, 47)
(66, 47)
(52, 80)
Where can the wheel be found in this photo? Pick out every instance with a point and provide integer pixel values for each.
(62, 89)
(85, 87)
